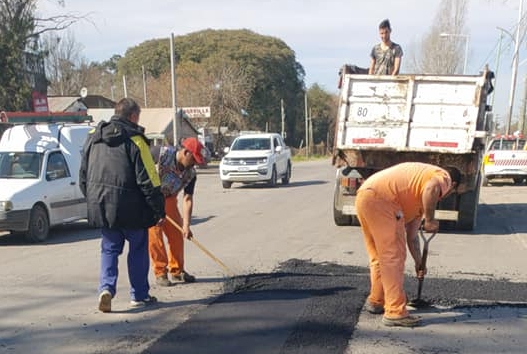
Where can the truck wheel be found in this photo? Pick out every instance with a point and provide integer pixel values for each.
(287, 176)
(226, 184)
(468, 209)
(273, 180)
(38, 225)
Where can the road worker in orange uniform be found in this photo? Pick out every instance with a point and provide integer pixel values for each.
(390, 207)
(177, 173)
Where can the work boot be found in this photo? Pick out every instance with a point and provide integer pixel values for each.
(105, 301)
(184, 277)
(408, 321)
(162, 280)
(373, 309)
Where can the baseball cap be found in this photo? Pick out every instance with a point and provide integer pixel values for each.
(196, 148)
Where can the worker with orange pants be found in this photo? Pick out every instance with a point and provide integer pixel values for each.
(390, 207)
(177, 173)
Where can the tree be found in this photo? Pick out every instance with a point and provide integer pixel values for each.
(442, 54)
(21, 59)
(66, 68)
(266, 63)
(322, 111)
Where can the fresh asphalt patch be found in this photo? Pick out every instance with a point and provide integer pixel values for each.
(306, 307)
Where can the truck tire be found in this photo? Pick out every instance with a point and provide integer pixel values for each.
(287, 175)
(226, 184)
(274, 178)
(468, 209)
(38, 225)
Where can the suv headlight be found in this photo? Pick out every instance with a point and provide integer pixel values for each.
(227, 161)
(6, 205)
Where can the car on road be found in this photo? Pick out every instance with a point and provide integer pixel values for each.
(39, 169)
(506, 157)
(252, 158)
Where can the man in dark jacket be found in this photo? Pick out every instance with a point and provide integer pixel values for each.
(118, 178)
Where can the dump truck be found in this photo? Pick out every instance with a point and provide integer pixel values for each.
(385, 120)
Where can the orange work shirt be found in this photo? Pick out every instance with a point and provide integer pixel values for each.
(404, 184)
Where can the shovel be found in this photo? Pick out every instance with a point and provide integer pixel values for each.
(418, 302)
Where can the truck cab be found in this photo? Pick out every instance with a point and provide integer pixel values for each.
(39, 166)
(505, 157)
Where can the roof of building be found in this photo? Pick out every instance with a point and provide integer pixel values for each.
(76, 103)
(154, 120)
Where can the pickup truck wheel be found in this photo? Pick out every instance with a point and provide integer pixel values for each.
(38, 225)
(518, 180)
(287, 176)
(226, 184)
(274, 178)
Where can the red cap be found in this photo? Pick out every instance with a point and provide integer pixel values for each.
(196, 148)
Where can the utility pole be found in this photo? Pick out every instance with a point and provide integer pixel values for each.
(524, 111)
(144, 84)
(307, 128)
(497, 65)
(283, 117)
(176, 121)
(124, 86)
(514, 68)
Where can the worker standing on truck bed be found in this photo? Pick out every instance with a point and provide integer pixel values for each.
(385, 56)
(390, 207)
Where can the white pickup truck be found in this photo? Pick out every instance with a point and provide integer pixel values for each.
(255, 158)
(39, 168)
(506, 157)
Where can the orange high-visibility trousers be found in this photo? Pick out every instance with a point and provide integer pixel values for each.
(385, 238)
(163, 261)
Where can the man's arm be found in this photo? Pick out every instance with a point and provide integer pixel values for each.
(412, 240)
(188, 202)
(372, 66)
(430, 197)
(396, 66)
(83, 170)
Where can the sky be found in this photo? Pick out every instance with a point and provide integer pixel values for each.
(325, 34)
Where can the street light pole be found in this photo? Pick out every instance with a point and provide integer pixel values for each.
(466, 37)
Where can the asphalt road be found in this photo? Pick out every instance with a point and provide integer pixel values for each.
(299, 286)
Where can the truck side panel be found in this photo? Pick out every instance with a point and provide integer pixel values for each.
(413, 112)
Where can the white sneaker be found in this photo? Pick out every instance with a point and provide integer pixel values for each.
(105, 301)
(145, 302)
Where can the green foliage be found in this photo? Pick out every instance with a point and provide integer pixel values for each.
(17, 23)
(267, 62)
(322, 111)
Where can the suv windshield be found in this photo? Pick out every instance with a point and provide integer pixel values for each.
(252, 144)
(20, 164)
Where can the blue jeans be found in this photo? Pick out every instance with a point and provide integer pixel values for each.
(112, 244)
